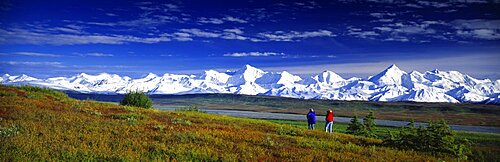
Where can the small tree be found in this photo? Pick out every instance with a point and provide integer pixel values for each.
(355, 127)
(138, 99)
(369, 123)
(362, 129)
(436, 138)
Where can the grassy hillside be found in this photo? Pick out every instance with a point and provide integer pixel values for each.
(486, 146)
(39, 124)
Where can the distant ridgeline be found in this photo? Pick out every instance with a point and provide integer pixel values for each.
(392, 84)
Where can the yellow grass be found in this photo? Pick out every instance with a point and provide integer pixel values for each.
(37, 125)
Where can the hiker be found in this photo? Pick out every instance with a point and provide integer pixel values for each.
(329, 121)
(311, 119)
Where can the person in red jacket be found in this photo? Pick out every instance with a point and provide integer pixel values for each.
(329, 121)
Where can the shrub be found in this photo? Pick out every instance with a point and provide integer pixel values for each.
(131, 118)
(362, 129)
(9, 131)
(288, 130)
(181, 121)
(269, 142)
(436, 138)
(189, 108)
(369, 123)
(7, 93)
(138, 99)
(159, 127)
(93, 112)
(355, 127)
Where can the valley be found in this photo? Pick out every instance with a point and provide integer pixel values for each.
(459, 114)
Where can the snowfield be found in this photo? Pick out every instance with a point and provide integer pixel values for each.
(392, 84)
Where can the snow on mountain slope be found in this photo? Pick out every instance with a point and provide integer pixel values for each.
(246, 74)
(392, 84)
(249, 88)
(212, 76)
(426, 95)
(494, 99)
(328, 77)
(389, 93)
(392, 76)
(275, 80)
(465, 95)
(288, 79)
(20, 78)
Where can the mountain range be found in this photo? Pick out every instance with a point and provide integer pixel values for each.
(392, 84)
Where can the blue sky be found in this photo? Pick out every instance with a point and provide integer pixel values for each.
(352, 38)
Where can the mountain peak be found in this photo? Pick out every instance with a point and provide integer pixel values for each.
(151, 75)
(249, 67)
(435, 71)
(285, 73)
(393, 67)
(84, 75)
(329, 77)
(390, 76)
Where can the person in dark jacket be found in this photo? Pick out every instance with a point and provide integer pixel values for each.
(311, 119)
(329, 121)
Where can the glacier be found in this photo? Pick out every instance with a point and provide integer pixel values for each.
(391, 85)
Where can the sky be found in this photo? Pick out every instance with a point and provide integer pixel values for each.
(352, 38)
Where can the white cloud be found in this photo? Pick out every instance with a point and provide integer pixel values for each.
(487, 34)
(111, 14)
(476, 24)
(253, 54)
(189, 34)
(150, 6)
(22, 36)
(210, 20)
(362, 34)
(235, 31)
(414, 30)
(381, 15)
(413, 5)
(200, 33)
(30, 63)
(229, 35)
(294, 35)
(221, 20)
(36, 54)
(434, 4)
(478, 28)
(384, 28)
(234, 19)
(96, 54)
(397, 31)
(146, 20)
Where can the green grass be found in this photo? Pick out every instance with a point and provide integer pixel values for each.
(47, 128)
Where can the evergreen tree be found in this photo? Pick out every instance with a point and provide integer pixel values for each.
(436, 138)
(369, 124)
(355, 127)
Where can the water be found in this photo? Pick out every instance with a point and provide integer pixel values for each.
(391, 123)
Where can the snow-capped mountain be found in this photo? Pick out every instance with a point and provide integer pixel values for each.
(392, 84)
